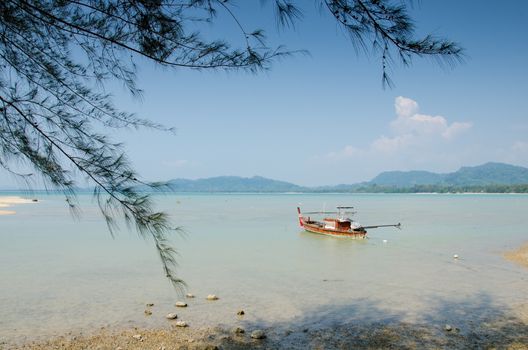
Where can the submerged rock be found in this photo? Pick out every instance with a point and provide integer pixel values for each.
(258, 334)
(150, 304)
(239, 330)
(212, 297)
(189, 295)
(171, 316)
(180, 304)
(241, 313)
(148, 312)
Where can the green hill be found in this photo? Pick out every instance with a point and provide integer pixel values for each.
(486, 174)
(489, 177)
(407, 178)
(233, 184)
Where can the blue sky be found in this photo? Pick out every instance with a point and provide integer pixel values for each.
(325, 118)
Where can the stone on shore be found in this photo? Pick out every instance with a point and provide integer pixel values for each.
(180, 304)
(181, 324)
(137, 336)
(258, 334)
(189, 295)
(212, 297)
(448, 328)
(171, 316)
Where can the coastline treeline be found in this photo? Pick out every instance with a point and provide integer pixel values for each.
(492, 188)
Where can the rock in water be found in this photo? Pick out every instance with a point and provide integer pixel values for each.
(180, 304)
(150, 304)
(137, 336)
(455, 256)
(239, 330)
(258, 334)
(148, 312)
(181, 324)
(241, 313)
(448, 328)
(171, 316)
(212, 297)
(189, 295)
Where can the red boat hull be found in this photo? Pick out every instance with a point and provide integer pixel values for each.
(336, 233)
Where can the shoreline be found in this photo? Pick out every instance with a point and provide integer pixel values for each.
(518, 256)
(503, 332)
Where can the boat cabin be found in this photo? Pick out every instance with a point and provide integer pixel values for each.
(336, 224)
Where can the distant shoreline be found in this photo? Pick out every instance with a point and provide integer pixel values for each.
(35, 193)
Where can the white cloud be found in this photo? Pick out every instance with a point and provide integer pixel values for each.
(520, 146)
(346, 152)
(410, 129)
(455, 129)
(409, 121)
(405, 107)
(385, 144)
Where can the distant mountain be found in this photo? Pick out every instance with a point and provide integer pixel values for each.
(233, 184)
(489, 177)
(486, 174)
(407, 178)
(489, 173)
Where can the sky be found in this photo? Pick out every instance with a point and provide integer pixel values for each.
(325, 118)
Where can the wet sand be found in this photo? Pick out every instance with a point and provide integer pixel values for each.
(519, 255)
(506, 333)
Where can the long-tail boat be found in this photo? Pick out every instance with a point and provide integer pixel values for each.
(339, 226)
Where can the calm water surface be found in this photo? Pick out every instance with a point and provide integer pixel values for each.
(60, 274)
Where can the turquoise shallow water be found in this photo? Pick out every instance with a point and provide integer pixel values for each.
(59, 273)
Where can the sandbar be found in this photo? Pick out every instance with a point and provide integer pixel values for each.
(9, 201)
(519, 255)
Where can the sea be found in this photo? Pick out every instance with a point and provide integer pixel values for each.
(65, 273)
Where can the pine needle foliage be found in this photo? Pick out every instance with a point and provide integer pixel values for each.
(57, 55)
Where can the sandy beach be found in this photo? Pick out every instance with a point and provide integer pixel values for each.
(504, 333)
(9, 201)
(519, 255)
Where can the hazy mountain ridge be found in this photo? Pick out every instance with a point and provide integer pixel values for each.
(465, 179)
(486, 174)
(489, 177)
(234, 184)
